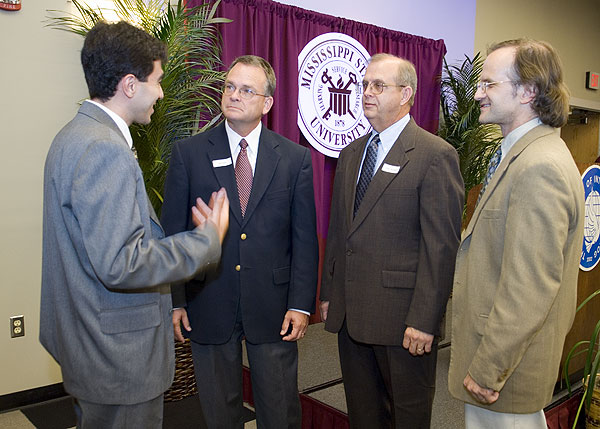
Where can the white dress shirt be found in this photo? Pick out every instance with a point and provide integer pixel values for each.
(387, 139)
(252, 140)
(514, 136)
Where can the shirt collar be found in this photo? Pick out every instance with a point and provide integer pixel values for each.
(118, 120)
(512, 137)
(389, 136)
(252, 138)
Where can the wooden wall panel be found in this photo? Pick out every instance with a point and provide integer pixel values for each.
(582, 139)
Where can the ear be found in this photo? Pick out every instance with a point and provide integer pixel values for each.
(128, 84)
(528, 94)
(268, 105)
(407, 92)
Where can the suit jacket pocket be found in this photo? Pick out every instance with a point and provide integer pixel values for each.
(481, 324)
(130, 319)
(281, 275)
(491, 214)
(399, 279)
(281, 193)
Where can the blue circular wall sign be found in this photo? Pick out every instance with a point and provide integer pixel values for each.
(591, 232)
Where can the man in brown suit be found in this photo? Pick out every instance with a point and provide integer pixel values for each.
(516, 271)
(390, 254)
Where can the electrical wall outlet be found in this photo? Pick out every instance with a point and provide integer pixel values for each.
(17, 326)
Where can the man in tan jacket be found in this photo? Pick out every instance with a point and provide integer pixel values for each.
(515, 283)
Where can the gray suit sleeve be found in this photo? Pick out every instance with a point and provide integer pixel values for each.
(106, 194)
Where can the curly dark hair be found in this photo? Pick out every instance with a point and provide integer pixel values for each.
(111, 51)
(537, 64)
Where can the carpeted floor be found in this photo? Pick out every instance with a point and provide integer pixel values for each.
(59, 414)
(319, 377)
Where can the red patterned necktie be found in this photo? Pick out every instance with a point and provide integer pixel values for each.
(243, 176)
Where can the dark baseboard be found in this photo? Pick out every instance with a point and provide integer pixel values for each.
(574, 378)
(32, 396)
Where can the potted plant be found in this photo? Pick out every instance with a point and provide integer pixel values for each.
(474, 142)
(591, 389)
(191, 81)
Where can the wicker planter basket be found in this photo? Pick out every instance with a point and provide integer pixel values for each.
(184, 383)
(592, 418)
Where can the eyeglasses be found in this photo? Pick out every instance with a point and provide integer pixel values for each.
(245, 93)
(377, 87)
(485, 85)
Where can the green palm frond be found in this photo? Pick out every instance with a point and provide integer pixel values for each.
(191, 81)
(474, 142)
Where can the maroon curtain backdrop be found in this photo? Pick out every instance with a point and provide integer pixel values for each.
(278, 33)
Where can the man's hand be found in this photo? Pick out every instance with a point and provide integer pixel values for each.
(180, 318)
(482, 394)
(217, 212)
(417, 342)
(299, 323)
(324, 308)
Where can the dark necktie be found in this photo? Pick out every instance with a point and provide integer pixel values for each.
(492, 166)
(243, 176)
(366, 173)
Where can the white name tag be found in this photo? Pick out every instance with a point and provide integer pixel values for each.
(394, 169)
(222, 162)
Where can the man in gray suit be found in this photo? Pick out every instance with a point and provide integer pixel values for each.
(105, 308)
(393, 234)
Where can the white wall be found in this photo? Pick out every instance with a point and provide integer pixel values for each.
(451, 20)
(572, 27)
(41, 82)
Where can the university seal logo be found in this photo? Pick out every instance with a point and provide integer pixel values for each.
(591, 232)
(330, 72)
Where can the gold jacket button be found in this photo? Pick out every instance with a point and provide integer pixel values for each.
(243, 236)
(238, 267)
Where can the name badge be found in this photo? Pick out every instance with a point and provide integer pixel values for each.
(388, 168)
(221, 162)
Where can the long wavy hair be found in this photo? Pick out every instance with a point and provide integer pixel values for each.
(537, 64)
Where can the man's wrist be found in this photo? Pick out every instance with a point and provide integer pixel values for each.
(299, 311)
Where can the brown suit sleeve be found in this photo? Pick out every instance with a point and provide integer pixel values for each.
(441, 199)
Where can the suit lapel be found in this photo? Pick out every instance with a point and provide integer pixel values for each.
(219, 150)
(266, 164)
(513, 153)
(396, 157)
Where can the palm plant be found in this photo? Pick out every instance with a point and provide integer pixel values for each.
(474, 142)
(191, 80)
(591, 349)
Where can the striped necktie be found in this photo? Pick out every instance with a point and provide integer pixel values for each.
(366, 173)
(243, 176)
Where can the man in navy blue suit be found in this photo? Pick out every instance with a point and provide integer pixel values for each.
(264, 288)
